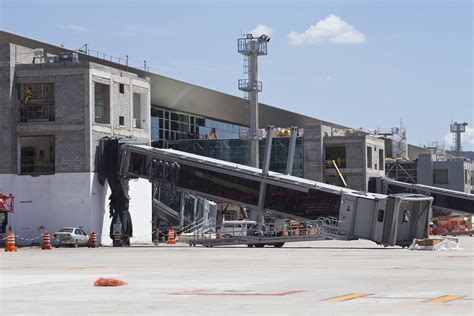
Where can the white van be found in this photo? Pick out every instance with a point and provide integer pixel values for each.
(237, 228)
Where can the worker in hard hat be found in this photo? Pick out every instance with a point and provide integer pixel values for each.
(28, 95)
(213, 134)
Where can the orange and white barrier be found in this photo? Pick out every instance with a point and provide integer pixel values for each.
(46, 241)
(93, 240)
(171, 237)
(10, 242)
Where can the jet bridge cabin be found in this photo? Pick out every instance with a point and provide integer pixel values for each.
(389, 220)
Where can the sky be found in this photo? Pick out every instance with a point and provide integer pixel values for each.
(369, 64)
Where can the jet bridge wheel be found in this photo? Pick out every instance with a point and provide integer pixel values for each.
(278, 244)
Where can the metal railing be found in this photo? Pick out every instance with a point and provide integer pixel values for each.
(322, 228)
(124, 61)
(247, 85)
(36, 112)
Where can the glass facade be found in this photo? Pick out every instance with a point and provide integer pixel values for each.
(310, 205)
(219, 184)
(238, 151)
(170, 125)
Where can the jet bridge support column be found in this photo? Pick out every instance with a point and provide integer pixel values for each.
(291, 150)
(265, 169)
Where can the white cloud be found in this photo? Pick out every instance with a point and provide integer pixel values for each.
(260, 30)
(467, 139)
(331, 29)
(74, 28)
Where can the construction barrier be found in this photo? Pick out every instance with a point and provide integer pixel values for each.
(171, 237)
(93, 240)
(117, 240)
(46, 241)
(10, 242)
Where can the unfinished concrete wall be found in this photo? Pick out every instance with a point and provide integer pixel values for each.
(313, 152)
(121, 105)
(67, 126)
(451, 174)
(7, 112)
(377, 168)
(355, 168)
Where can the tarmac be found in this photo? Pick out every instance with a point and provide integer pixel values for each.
(307, 278)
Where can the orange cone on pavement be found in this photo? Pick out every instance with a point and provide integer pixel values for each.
(93, 240)
(10, 242)
(46, 241)
(171, 237)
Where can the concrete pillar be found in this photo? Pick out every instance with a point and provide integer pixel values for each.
(313, 152)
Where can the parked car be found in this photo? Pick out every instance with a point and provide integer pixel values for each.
(70, 236)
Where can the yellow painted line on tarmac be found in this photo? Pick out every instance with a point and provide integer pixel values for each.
(347, 297)
(445, 299)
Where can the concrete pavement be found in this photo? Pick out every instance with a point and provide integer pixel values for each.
(308, 278)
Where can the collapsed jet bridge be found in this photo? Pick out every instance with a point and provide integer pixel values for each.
(390, 220)
(443, 199)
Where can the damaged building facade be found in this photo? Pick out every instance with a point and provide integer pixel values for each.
(55, 106)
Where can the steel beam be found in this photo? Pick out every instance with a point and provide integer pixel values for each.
(291, 151)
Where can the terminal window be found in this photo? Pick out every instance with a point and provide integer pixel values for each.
(369, 157)
(139, 110)
(37, 155)
(381, 159)
(406, 216)
(440, 176)
(101, 103)
(380, 216)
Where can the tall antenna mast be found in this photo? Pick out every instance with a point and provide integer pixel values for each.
(457, 129)
(252, 47)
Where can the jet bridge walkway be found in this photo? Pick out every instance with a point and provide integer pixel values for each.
(444, 199)
(387, 219)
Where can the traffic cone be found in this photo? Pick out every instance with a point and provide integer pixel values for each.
(117, 240)
(10, 242)
(93, 240)
(46, 241)
(171, 237)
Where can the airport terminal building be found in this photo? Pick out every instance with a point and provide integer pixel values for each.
(56, 104)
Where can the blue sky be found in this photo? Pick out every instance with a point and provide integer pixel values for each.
(409, 60)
